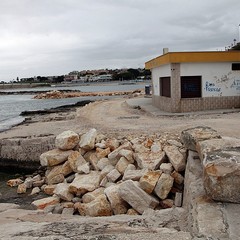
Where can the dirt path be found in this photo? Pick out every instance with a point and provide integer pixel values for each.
(116, 117)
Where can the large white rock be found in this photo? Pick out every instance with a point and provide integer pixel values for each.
(57, 173)
(114, 156)
(164, 186)
(119, 206)
(122, 165)
(78, 163)
(136, 197)
(114, 175)
(149, 180)
(85, 183)
(134, 174)
(90, 196)
(176, 157)
(61, 190)
(190, 137)
(44, 202)
(54, 157)
(149, 160)
(87, 141)
(102, 163)
(96, 208)
(67, 140)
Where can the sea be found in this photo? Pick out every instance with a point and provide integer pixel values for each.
(12, 105)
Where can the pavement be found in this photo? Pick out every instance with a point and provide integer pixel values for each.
(145, 103)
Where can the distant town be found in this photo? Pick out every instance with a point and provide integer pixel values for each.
(87, 76)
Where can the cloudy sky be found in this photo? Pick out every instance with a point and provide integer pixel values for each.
(54, 37)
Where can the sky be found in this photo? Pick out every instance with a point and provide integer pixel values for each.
(54, 37)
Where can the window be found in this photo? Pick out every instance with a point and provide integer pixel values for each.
(191, 87)
(165, 86)
(235, 66)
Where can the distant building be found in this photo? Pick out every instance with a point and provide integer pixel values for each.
(195, 81)
(70, 77)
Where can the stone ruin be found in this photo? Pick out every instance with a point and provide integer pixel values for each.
(92, 175)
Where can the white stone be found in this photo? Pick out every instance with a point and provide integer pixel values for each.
(44, 202)
(119, 206)
(61, 190)
(35, 190)
(85, 183)
(114, 175)
(67, 140)
(87, 141)
(134, 174)
(102, 163)
(166, 168)
(136, 197)
(177, 158)
(164, 186)
(122, 165)
(90, 196)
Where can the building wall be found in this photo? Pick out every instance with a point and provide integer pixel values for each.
(218, 79)
(220, 87)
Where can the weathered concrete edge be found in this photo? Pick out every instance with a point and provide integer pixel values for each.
(206, 218)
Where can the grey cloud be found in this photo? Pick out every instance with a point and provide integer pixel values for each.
(51, 37)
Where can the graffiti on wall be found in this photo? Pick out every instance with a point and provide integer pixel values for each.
(211, 87)
(236, 84)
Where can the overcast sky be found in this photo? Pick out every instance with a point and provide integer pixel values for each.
(54, 37)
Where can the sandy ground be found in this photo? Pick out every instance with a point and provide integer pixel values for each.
(120, 118)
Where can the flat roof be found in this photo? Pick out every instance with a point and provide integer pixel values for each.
(193, 57)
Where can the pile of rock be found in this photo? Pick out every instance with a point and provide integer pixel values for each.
(60, 94)
(99, 176)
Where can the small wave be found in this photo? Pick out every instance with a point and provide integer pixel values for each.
(9, 123)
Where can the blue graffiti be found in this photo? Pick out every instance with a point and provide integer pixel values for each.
(210, 87)
(236, 84)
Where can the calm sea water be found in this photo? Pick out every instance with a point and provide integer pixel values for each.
(12, 105)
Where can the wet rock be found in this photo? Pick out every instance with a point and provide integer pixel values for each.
(177, 158)
(136, 197)
(87, 140)
(149, 180)
(67, 140)
(85, 183)
(14, 182)
(164, 186)
(22, 188)
(118, 205)
(54, 157)
(190, 137)
(44, 202)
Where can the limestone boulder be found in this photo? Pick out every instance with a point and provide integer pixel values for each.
(28, 182)
(92, 158)
(130, 192)
(87, 140)
(90, 196)
(118, 205)
(44, 202)
(176, 157)
(96, 208)
(127, 154)
(49, 189)
(54, 157)
(149, 160)
(113, 176)
(56, 174)
(190, 137)
(163, 186)
(102, 153)
(134, 175)
(222, 174)
(61, 190)
(114, 156)
(102, 163)
(84, 183)
(67, 140)
(166, 168)
(122, 165)
(149, 180)
(112, 143)
(78, 163)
